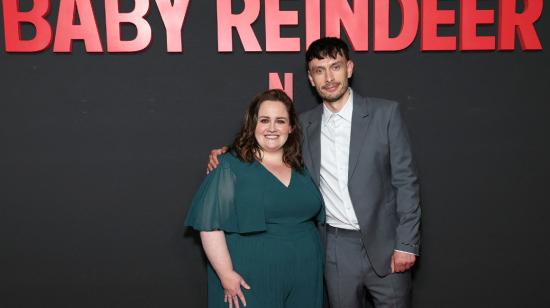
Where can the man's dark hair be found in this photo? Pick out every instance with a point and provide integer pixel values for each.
(327, 47)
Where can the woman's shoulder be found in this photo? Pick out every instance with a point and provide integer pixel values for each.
(231, 161)
(225, 160)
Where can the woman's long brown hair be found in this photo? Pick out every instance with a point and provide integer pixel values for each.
(245, 146)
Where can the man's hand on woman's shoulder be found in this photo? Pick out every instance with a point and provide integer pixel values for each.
(213, 158)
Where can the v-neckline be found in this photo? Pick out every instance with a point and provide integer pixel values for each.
(276, 178)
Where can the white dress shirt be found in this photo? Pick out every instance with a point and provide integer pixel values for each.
(335, 142)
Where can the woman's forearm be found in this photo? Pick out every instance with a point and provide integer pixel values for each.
(215, 247)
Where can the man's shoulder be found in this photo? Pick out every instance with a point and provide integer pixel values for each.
(380, 103)
(376, 106)
(309, 115)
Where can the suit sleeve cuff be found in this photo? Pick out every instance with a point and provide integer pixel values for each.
(412, 249)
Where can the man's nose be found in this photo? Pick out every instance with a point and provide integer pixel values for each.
(329, 76)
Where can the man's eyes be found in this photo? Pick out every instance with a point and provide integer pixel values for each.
(319, 71)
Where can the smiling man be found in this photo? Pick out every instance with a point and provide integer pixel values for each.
(357, 150)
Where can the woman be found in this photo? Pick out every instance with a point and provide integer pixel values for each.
(257, 213)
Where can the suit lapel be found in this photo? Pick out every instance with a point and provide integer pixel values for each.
(313, 131)
(359, 125)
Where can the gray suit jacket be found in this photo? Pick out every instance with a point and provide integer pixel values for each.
(382, 180)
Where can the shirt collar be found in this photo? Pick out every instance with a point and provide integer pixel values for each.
(345, 113)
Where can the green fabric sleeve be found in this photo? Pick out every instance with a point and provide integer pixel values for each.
(213, 206)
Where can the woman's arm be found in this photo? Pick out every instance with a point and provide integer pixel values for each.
(217, 253)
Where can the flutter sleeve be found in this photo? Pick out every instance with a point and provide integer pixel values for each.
(213, 206)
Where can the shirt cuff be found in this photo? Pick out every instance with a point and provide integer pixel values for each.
(406, 252)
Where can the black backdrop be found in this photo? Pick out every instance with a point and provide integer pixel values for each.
(101, 153)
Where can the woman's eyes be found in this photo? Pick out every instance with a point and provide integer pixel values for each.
(266, 121)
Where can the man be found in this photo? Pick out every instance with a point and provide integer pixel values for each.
(358, 153)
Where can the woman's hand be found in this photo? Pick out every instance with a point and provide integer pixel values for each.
(232, 283)
(216, 250)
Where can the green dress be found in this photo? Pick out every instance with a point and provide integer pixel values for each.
(270, 230)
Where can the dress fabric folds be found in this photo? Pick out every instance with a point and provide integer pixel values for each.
(270, 230)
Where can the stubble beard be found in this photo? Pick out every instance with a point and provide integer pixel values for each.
(335, 97)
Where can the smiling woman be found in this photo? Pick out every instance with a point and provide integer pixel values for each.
(256, 214)
(270, 125)
(273, 126)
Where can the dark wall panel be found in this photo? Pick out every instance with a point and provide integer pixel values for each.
(101, 154)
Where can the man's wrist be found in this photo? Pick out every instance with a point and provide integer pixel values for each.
(408, 252)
